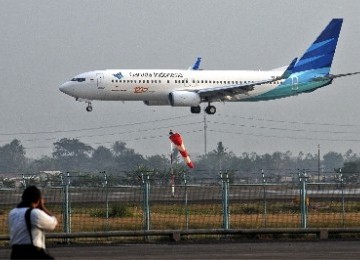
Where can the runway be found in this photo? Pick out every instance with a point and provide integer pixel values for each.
(219, 250)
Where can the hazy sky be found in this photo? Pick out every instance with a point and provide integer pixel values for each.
(44, 43)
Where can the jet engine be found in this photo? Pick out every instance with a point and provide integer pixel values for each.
(184, 99)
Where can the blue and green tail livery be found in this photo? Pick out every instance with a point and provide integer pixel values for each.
(321, 53)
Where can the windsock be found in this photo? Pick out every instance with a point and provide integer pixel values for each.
(177, 140)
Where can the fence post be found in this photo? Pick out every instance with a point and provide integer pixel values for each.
(342, 199)
(105, 185)
(303, 207)
(23, 181)
(265, 205)
(146, 207)
(186, 203)
(66, 204)
(225, 200)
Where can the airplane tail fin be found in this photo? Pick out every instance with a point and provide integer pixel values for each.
(320, 54)
(196, 65)
(289, 70)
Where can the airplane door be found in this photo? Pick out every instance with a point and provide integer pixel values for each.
(99, 80)
(295, 84)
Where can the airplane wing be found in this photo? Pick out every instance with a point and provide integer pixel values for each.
(220, 92)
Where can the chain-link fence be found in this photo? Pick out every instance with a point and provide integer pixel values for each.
(86, 203)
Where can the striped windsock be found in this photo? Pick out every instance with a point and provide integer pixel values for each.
(177, 140)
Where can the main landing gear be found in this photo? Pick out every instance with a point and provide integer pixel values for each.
(210, 110)
(89, 107)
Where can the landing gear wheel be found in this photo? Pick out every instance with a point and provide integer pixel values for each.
(210, 110)
(89, 108)
(195, 110)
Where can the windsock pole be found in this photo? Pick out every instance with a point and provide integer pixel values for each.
(172, 177)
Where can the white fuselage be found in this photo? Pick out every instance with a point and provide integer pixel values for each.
(154, 86)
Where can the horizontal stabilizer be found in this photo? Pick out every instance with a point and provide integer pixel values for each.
(334, 76)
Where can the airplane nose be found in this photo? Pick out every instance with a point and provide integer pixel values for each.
(66, 88)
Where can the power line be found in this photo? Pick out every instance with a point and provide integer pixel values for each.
(285, 121)
(286, 129)
(111, 134)
(93, 128)
(125, 140)
(287, 137)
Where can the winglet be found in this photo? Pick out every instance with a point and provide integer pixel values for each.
(196, 65)
(289, 69)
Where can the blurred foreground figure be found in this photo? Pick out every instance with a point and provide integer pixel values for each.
(27, 223)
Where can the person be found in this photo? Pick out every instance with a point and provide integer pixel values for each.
(27, 236)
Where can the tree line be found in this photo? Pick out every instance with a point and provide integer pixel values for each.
(72, 155)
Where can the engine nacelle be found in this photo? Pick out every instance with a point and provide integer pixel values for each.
(156, 102)
(184, 99)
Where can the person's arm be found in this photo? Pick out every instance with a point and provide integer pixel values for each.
(43, 218)
(43, 208)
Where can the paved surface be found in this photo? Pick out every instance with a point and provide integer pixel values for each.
(231, 250)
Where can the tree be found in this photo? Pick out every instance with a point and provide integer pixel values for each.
(333, 160)
(119, 148)
(103, 159)
(45, 163)
(71, 154)
(126, 159)
(351, 171)
(159, 162)
(220, 153)
(12, 157)
(350, 156)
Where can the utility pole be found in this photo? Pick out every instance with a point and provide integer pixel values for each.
(205, 135)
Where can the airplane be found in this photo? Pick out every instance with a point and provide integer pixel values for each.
(191, 87)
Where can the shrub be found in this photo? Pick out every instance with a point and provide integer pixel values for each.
(118, 211)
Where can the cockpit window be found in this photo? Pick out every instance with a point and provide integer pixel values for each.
(78, 79)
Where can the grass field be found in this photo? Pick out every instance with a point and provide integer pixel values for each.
(198, 216)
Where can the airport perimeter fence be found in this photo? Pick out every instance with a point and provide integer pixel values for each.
(106, 205)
